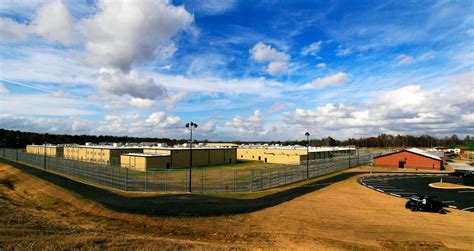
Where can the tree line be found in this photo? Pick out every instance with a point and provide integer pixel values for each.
(12, 138)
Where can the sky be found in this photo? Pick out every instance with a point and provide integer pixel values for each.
(242, 70)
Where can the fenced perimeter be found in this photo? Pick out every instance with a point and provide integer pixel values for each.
(204, 179)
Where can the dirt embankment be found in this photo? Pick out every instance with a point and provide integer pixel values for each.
(37, 214)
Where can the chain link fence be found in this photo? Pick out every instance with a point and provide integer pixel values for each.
(203, 179)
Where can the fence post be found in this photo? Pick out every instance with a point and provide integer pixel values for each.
(349, 161)
(358, 158)
(166, 180)
(251, 181)
(221, 181)
(204, 180)
(146, 180)
(234, 182)
(126, 179)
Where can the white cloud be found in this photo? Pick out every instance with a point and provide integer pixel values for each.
(11, 31)
(44, 104)
(54, 23)
(162, 120)
(331, 80)
(208, 127)
(321, 65)
(406, 110)
(280, 106)
(260, 86)
(312, 49)
(343, 51)
(166, 67)
(118, 83)
(404, 59)
(48, 65)
(470, 32)
(158, 124)
(126, 32)
(277, 68)
(3, 89)
(213, 7)
(142, 102)
(265, 53)
(250, 125)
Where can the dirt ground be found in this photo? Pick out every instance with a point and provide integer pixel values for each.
(346, 215)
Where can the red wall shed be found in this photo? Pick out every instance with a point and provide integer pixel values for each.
(410, 158)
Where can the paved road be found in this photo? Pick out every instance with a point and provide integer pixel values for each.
(405, 185)
(461, 166)
(176, 205)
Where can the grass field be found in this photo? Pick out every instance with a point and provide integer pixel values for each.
(346, 215)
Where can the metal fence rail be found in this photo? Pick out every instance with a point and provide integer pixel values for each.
(204, 179)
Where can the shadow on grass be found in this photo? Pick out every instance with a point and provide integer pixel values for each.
(177, 205)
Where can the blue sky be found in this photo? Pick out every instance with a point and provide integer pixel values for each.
(243, 70)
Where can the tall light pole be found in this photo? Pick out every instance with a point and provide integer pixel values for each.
(4, 146)
(307, 154)
(17, 143)
(44, 149)
(191, 125)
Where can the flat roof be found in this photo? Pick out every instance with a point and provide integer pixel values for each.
(311, 149)
(105, 147)
(47, 145)
(186, 148)
(145, 155)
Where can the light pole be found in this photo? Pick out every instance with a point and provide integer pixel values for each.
(44, 149)
(17, 139)
(4, 146)
(307, 154)
(191, 125)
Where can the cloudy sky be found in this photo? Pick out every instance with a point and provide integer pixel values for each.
(242, 70)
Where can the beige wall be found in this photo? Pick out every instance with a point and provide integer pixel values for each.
(145, 163)
(97, 155)
(179, 158)
(55, 151)
(282, 156)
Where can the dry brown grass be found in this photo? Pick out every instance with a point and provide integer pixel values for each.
(445, 185)
(39, 215)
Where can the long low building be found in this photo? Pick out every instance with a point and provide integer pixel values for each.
(202, 156)
(145, 161)
(51, 150)
(102, 154)
(410, 158)
(290, 155)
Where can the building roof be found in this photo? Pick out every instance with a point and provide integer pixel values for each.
(421, 152)
(145, 155)
(311, 149)
(187, 148)
(106, 147)
(55, 146)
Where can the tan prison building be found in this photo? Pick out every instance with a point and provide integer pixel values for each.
(161, 158)
(51, 150)
(102, 154)
(289, 155)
